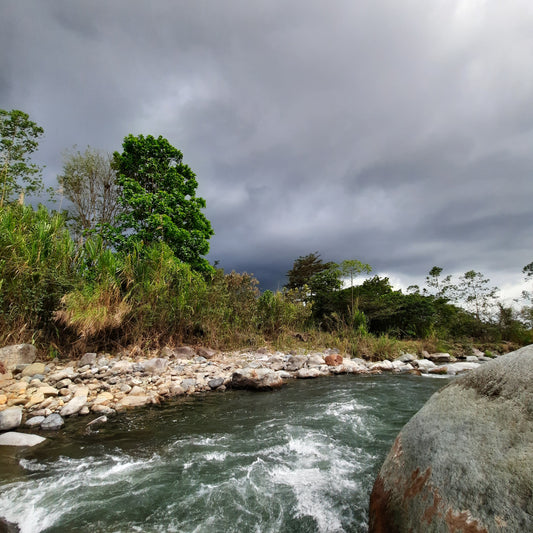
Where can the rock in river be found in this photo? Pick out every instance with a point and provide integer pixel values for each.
(13, 438)
(52, 422)
(260, 379)
(464, 462)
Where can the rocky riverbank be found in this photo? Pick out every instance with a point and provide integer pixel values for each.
(41, 395)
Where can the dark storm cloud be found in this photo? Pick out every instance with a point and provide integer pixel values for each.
(397, 133)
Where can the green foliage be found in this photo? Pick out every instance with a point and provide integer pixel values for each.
(37, 267)
(88, 182)
(18, 140)
(303, 270)
(282, 312)
(158, 196)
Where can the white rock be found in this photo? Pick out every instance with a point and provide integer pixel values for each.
(74, 406)
(382, 365)
(10, 418)
(13, 438)
(424, 364)
(122, 367)
(457, 368)
(306, 373)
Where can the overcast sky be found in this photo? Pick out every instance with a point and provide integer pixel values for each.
(399, 133)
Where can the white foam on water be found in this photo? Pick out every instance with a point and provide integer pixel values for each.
(309, 486)
(216, 456)
(38, 503)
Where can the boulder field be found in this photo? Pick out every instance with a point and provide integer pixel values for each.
(40, 395)
(464, 462)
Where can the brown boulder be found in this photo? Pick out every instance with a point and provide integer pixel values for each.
(333, 359)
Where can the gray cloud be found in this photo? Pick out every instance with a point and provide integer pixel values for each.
(397, 133)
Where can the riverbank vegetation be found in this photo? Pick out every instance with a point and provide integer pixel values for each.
(123, 267)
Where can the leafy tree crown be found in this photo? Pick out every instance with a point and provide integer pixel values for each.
(158, 197)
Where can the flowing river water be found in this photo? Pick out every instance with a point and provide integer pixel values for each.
(301, 459)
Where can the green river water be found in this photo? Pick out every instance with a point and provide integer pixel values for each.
(301, 459)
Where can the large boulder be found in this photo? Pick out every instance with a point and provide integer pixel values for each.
(259, 379)
(464, 462)
(18, 354)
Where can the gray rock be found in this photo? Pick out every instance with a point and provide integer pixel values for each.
(464, 462)
(457, 368)
(424, 364)
(440, 357)
(87, 359)
(185, 352)
(73, 406)
(60, 375)
(200, 359)
(275, 362)
(10, 418)
(407, 358)
(307, 373)
(295, 362)
(384, 365)
(63, 383)
(472, 359)
(215, 383)
(33, 369)
(188, 384)
(122, 367)
(259, 379)
(315, 360)
(176, 390)
(34, 421)
(17, 354)
(53, 422)
(13, 438)
(157, 365)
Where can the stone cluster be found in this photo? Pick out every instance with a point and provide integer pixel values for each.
(41, 395)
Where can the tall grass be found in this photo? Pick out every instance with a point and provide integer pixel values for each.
(37, 267)
(80, 296)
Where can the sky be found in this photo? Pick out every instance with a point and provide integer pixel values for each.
(396, 133)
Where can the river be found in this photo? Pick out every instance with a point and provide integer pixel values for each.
(301, 459)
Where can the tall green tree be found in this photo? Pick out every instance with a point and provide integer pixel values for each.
(88, 182)
(158, 196)
(18, 140)
(304, 268)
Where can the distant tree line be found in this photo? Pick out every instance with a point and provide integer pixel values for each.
(447, 308)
